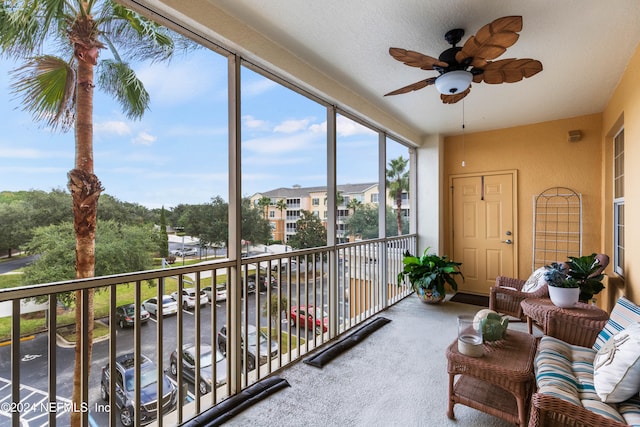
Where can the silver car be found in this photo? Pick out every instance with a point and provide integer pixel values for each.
(169, 305)
(206, 369)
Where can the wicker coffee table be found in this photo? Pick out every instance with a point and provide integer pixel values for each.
(579, 325)
(499, 383)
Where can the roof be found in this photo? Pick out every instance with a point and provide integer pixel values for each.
(289, 192)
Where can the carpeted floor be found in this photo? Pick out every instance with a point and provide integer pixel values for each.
(397, 376)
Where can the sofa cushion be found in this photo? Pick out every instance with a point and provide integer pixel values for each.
(535, 281)
(630, 411)
(617, 366)
(624, 313)
(562, 366)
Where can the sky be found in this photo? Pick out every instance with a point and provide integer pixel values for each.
(178, 152)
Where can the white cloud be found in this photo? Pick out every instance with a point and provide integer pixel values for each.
(178, 82)
(143, 138)
(253, 123)
(291, 126)
(257, 87)
(278, 144)
(32, 153)
(117, 127)
(344, 127)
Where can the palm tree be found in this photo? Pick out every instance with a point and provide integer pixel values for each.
(397, 183)
(281, 205)
(354, 204)
(264, 203)
(57, 89)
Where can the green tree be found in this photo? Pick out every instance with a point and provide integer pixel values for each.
(354, 204)
(263, 203)
(310, 233)
(119, 249)
(164, 237)
(397, 183)
(255, 227)
(363, 223)
(275, 309)
(13, 228)
(281, 205)
(57, 89)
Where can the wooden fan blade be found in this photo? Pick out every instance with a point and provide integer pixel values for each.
(415, 86)
(452, 99)
(509, 70)
(492, 40)
(415, 59)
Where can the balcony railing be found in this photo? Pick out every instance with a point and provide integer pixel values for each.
(274, 310)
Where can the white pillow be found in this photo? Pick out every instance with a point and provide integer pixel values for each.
(616, 367)
(535, 281)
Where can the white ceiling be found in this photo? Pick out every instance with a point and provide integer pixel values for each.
(584, 46)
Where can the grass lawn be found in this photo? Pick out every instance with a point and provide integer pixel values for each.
(125, 294)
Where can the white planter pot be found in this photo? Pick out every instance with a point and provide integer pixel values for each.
(564, 297)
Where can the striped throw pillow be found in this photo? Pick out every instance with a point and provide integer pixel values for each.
(624, 314)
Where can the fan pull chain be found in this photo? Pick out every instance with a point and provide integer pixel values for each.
(463, 155)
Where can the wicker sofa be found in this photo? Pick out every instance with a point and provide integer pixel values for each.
(567, 394)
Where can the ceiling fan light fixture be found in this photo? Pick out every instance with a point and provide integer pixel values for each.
(453, 82)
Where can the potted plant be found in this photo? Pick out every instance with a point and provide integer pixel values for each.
(562, 291)
(580, 277)
(428, 275)
(587, 271)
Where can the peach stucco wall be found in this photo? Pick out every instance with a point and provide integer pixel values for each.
(544, 158)
(624, 109)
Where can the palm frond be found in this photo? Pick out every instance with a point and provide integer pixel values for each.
(46, 87)
(118, 79)
(138, 37)
(22, 32)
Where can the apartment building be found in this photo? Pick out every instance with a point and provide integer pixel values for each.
(283, 216)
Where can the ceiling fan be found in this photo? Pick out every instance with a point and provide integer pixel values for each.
(459, 66)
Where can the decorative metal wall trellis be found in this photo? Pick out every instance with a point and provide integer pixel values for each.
(557, 226)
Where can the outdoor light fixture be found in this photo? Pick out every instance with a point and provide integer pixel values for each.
(453, 82)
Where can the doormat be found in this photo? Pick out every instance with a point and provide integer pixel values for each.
(481, 300)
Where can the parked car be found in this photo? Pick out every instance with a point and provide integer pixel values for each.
(206, 369)
(186, 252)
(189, 298)
(169, 305)
(125, 392)
(221, 292)
(253, 345)
(126, 315)
(309, 318)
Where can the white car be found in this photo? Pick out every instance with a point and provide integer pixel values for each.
(169, 305)
(189, 298)
(221, 292)
(186, 252)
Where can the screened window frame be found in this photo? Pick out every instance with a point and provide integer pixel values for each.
(618, 202)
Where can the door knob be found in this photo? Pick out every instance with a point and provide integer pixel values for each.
(508, 241)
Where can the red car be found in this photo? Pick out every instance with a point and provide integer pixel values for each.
(310, 318)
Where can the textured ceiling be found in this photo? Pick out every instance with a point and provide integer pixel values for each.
(584, 46)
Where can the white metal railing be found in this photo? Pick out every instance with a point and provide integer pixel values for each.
(346, 284)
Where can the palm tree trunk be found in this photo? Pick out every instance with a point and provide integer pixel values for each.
(85, 189)
(399, 211)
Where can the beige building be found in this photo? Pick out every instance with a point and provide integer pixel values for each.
(283, 217)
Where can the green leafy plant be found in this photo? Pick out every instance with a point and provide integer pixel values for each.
(430, 272)
(557, 275)
(578, 272)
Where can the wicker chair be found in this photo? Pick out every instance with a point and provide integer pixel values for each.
(506, 295)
